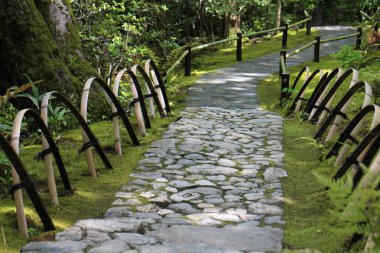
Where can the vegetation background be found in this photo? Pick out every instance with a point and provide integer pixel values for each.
(61, 43)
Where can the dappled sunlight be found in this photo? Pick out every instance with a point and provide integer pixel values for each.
(213, 81)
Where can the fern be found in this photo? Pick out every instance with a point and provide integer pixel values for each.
(359, 208)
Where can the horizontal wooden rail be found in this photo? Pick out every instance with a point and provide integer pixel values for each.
(282, 64)
(365, 15)
(264, 31)
(188, 50)
(340, 38)
(300, 22)
(298, 50)
(214, 43)
(176, 63)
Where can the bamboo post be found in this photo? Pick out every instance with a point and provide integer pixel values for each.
(83, 112)
(308, 26)
(17, 195)
(137, 104)
(338, 119)
(299, 102)
(322, 96)
(157, 88)
(359, 38)
(47, 158)
(347, 145)
(370, 177)
(158, 91)
(323, 115)
(282, 54)
(284, 86)
(188, 62)
(317, 47)
(239, 47)
(285, 36)
(115, 119)
(153, 77)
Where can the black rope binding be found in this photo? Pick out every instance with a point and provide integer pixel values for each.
(88, 145)
(113, 115)
(41, 155)
(19, 186)
(323, 108)
(340, 113)
(351, 138)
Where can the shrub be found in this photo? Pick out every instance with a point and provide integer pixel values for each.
(350, 58)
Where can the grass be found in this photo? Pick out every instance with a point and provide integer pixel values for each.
(93, 197)
(312, 224)
(216, 57)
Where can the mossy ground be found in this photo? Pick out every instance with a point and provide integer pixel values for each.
(311, 222)
(93, 197)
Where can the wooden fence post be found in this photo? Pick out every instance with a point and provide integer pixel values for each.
(282, 53)
(317, 47)
(284, 86)
(359, 38)
(285, 36)
(308, 26)
(238, 47)
(188, 62)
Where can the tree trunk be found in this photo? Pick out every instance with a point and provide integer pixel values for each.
(226, 22)
(39, 38)
(278, 14)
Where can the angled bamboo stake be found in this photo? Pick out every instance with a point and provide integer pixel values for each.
(47, 158)
(329, 103)
(346, 147)
(83, 111)
(19, 200)
(323, 95)
(299, 102)
(338, 119)
(156, 82)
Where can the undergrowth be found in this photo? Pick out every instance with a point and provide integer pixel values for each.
(93, 197)
(313, 221)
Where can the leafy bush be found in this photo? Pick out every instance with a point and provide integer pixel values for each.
(350, 58)
(359, 208)
(5, 174)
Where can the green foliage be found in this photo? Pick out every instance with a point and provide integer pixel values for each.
(350, 58)
(115, 31)
(5, 174)
(359, 208)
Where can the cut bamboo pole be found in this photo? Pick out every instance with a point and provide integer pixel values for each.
(137, 104)
(323, 116)
(323, 95)
(115, 120)
(347, 145)
(299, 102)
(152, 75)
(19, 200)
(83, 111)
(47, 158)
(338, 119)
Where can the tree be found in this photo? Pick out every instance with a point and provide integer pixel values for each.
(39, 39)
(278, 14)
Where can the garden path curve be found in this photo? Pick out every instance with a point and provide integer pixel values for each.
(212, 183)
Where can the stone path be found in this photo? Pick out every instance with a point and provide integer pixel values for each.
(211, 184)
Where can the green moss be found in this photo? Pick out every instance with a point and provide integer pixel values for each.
(311, 223)
(92, 197)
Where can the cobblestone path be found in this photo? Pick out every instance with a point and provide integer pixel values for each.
(211, 184)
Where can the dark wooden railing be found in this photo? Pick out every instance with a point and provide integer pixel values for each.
(187, 54)
(317, 48)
